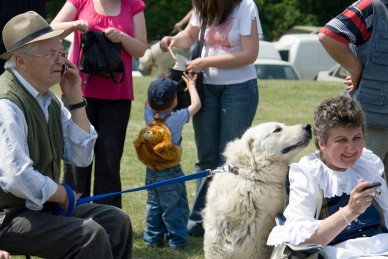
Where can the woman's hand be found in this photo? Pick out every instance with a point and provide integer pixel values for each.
(114, 35)
(167, 41)
(195, 66)
(361, 198)
(81, 25)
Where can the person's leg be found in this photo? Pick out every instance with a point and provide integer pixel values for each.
(79, 178)
(115, 222)
(232, 108)
(175, 207)
(112, 122)
(377, 142)
(155, 228)
(206, 125)
(239, 102)
(92, 231)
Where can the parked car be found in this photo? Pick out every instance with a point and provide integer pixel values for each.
(275, 69)
(269, 64)
(335, 74)
(67, 43)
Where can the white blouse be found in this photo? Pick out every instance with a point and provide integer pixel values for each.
(310, 178)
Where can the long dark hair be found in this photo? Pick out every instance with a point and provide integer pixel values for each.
(214, 11)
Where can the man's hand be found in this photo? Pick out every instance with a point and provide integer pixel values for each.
(71, 83)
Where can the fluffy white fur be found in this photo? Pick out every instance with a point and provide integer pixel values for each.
(241, 206)
(154, 56)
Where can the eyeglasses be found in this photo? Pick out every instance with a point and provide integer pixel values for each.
(54, 56)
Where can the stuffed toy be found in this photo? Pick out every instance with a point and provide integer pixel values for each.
(154, 147)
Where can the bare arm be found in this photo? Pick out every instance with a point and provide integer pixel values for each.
(64, 20)
(183, 39)
(134, 46)
(195, 105)
(137, 45)
(178, 26)
(4, 254)
(343, 55)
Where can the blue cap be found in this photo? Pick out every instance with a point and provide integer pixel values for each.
(162, 91)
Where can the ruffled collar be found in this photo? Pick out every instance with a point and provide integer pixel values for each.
(335, 183)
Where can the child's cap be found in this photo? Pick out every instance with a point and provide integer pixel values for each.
(162, 91)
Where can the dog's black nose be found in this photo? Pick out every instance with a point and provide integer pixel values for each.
(307, 127)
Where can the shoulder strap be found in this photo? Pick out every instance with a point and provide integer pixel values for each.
(198, 51)
(156, 117)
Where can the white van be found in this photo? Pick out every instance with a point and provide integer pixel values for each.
(268, 50)
(306, 53)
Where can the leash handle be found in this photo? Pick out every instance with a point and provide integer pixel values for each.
(70, 194)
(149, 186)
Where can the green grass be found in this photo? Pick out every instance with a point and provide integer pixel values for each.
(291, 102)
(283, 101)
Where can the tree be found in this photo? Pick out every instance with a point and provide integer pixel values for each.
(161, 16)
(276, 16)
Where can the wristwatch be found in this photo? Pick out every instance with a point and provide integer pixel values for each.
(84, 103)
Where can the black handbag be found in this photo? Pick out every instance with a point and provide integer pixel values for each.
(183, 94)
(101, 57)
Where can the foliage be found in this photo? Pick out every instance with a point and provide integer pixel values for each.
(161, 16)
(53, 7)
(276, 16)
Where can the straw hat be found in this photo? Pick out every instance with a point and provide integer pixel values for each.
(23, 29)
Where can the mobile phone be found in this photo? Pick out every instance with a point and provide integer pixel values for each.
(64, 69)
(373, 185)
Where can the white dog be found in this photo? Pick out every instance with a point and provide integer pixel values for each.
(154, 56)
(242, 202)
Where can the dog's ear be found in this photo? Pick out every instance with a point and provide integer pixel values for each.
(239, 152)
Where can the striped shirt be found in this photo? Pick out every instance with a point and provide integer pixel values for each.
(353, 25)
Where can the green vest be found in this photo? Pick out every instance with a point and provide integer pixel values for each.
(45, 140)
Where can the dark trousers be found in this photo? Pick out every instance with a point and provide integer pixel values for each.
(110, 119)
(92, 231)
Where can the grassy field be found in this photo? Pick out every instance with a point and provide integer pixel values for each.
(283, 101)
(291, 102)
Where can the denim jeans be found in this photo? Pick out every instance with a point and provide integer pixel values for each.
(110, 119)
(228, 112)
(167, 209)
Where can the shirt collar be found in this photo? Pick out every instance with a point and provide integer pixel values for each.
(30, 88)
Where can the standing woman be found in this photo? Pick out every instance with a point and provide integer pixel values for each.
(231, 97)
(108, 104)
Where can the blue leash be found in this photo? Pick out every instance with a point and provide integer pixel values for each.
(154, 185)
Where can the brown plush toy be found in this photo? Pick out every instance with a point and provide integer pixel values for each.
(154, 147)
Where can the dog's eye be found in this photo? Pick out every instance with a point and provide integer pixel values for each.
(277, 130)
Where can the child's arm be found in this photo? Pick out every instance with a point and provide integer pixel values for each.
(194, 97)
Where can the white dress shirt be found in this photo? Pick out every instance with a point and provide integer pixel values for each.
(17, 174)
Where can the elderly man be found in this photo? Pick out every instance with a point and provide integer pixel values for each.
(36, 132)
